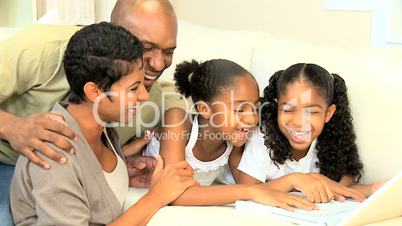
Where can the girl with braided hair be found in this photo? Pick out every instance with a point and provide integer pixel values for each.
(307, 137)
(226, 101)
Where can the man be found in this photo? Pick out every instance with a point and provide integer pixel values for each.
(32, 79)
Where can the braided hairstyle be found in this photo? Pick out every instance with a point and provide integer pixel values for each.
(101, 53)
(204, 81)
(336, 148)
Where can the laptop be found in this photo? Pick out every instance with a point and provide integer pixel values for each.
(384, 204)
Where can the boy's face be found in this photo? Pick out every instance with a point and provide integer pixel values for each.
(125, 95)
(234, 113)
(302, 114)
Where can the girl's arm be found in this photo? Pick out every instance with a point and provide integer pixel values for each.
(141, 212)
(167, 184)
(365, 189)
(234, 160)
(226, 194)
(348, 181)
(172, 150)
(316, 187)
(239, 176)
(173, 135)
(254, 160)
(177, 127)
(214, 195)
(285, 183)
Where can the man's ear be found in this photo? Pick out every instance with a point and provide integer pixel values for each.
(92, 91)
(330, 112)
(203, 109)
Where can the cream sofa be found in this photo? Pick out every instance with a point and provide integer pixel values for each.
(6, 32)
(373, 77)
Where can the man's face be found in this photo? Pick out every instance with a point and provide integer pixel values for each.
(157, 32)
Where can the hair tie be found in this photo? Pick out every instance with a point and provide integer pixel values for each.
(190, 76)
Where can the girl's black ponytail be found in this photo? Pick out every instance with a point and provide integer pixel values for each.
(338, 153)
(182, 76)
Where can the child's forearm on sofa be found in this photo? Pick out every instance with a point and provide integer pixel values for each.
(213, 195)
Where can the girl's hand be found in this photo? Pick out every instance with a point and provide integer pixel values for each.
(340, 191)
(170, 182)
(316, 190)
(262, 194)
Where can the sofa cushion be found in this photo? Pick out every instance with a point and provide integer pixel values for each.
(203, 43)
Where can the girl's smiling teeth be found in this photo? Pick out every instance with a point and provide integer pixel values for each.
(300, 135)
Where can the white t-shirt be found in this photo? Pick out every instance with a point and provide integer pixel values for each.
(257, 163)
(205, 172)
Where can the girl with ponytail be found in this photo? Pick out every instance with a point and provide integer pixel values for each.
(226, 102)
(307, 137)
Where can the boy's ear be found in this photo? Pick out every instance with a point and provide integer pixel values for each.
(204, 109)
(92, 91)
(330, 112)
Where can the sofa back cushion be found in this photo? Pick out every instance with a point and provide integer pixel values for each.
(202, 43)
